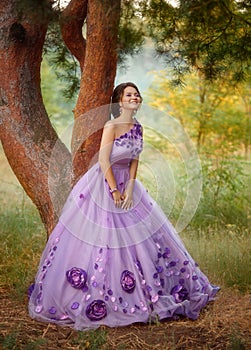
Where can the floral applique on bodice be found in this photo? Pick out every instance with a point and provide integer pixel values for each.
(129, 145)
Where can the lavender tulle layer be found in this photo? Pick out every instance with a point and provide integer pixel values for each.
(103, 265)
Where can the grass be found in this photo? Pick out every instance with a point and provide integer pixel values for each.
(10, 342)
(92, 340)
(23, 238)
(223, 254)
(22, 234)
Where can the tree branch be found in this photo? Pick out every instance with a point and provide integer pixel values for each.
(71, 22)
(97, 82)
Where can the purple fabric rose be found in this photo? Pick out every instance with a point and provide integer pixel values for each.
(127, 281)
(76, 277)
(179, 293)
(96, 310)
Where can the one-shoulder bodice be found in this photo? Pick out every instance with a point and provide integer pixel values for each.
(127, 146)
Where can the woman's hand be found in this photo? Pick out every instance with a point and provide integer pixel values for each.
(118, 198)
(127, 201)
(127, 196)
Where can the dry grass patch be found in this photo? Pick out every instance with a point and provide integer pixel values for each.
(223, 324)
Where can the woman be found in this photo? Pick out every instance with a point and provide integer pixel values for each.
(114, 258)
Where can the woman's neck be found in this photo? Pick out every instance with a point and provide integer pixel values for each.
(127, 116)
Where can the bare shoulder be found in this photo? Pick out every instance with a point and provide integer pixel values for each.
(109, 129)
(110, 126)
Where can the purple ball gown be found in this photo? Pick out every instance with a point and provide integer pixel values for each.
(103, 265)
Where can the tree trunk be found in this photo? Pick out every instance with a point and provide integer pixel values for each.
(38, 158)
(98, 73)
(26, 133)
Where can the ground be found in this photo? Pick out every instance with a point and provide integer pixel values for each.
(224, 324)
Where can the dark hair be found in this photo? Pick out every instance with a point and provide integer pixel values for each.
(117, 95)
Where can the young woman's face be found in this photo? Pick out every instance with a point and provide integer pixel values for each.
(131, 99)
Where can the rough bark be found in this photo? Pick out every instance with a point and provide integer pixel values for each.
(26, 133)
(98, 74)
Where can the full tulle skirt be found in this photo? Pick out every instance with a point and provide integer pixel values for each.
(103, 265)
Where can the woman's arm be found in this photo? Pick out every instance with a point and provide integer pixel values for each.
(127, 195)
(104, 160)
(134, 168)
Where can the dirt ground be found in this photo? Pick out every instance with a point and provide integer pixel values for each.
(223, 324)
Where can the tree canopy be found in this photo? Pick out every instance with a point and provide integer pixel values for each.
(212, 36)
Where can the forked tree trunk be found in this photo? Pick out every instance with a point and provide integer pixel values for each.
(38, 158)
(26, 133)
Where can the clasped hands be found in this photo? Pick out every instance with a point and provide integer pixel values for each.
(124, 200)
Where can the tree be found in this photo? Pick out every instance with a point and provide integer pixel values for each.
(215, 115)
(212, 36)
(206, 33)
(245, 94)
(27, 135)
